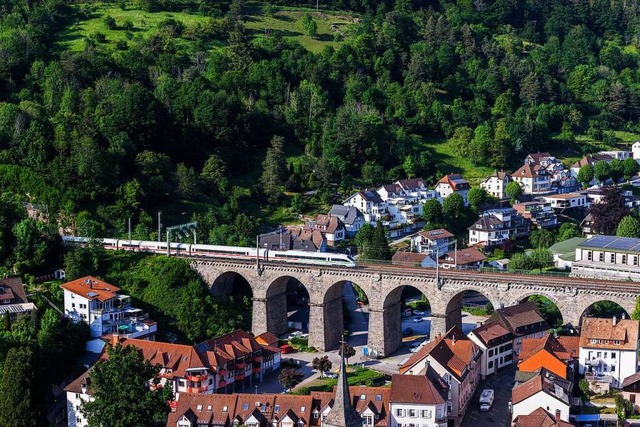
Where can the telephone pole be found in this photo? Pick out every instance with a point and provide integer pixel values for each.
(159, 225)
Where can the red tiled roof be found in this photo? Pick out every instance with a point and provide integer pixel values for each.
(211, 408)
(464, 256)
(563, 348)
(437, 234)
(520, 315)
(407, 258)
(454, 351)
(490, 331)
(267, 339)
(527, 389)
(455, 181)
(539, 418)
(414, 389)
(91, 288)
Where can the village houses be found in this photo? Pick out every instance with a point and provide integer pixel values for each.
(496, 184)
(456, 361)
(452, 183)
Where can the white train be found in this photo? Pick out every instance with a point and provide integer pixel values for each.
(215, 251)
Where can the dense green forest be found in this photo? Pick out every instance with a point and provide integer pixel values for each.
(213, 119)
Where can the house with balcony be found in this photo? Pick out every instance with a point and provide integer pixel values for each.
(454, 359)
(564, 201)
(539, 213)
(496, 343)
(496, 184)
(432, 242)
(608, 350)
(105, 310)
(452, 183)
(488, 232)
(13, 298)
(350, 216)
(543, 390)
(370, 204)
(533, 178)
(417, 400)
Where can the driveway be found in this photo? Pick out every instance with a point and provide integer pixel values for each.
(499, 414)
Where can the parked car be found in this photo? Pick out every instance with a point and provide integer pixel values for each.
(418, 320)
(295, 334)
(407, 331)
(286, 349)
(419, 313)
(330, 374)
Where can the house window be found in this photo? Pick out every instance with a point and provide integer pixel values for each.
(225, 409)
(426, 413)
(303, 408)
(635, 260)
(632, 397)
(490, 365)
(613, 258)
(601, 257)
(315, 415)
(624, 259)
(400, 412)
(245, 406)
(276, 409)
(412, 413)
(613, 368)
(613, 355)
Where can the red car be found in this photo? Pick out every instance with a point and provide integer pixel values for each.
(286, 348)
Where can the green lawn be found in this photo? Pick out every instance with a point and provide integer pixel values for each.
(89, 21)
(449, 161)
(357, 376)
(144, 24)
(285, 21)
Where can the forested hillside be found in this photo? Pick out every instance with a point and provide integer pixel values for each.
(104, 118)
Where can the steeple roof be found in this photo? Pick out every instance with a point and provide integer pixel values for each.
(342, 413)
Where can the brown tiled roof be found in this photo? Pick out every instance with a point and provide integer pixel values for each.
(630, 380)
(437, 234)
(415, 389)
(563, 348)
(176, 357)
(539, 418)
(407, 258)
(454, 351)
(591, 160)
(411, 183)
(625, 331)
(545, 382)
(525, 171)
(76, 385)
(464, 256)
(267, 339)
(375, 398)
(294, 404)
(520, 315)
(490, 331)
(501, 175)
(210, 412)
(455, 181)
(14, 284)
(91, 288)
(538, 157)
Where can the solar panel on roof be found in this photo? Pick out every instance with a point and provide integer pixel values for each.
(597, 241)
(624, 244)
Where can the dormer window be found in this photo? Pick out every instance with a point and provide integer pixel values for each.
(303, 408)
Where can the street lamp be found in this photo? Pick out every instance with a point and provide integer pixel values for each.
(256, 389)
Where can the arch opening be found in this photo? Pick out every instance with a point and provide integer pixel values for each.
(353, 312)
(407, 318)
(235, 291)
(468, 310)
(548, 308)
(604, 309)
(288, 310)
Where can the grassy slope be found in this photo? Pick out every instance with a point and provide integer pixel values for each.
(145, 24)
(447, 160)
(286, 22)
(283, 21)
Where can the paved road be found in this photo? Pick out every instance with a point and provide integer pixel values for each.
(499, 414)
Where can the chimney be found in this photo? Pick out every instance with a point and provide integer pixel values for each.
(615, 320)
(557, 415)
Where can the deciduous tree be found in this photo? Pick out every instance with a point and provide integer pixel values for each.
(585, 175)
(121, 393)
(513, 190)
(321, 364)
(289, 378)
(609, 212)
(629, 226)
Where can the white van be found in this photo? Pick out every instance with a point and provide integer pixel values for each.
(486, 399)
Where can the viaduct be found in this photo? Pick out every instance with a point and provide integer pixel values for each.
(383, 286)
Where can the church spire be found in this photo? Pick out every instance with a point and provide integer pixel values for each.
(342, 414)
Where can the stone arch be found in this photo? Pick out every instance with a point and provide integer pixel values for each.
(583, 309)
(278, 296)
(452, 314)
(385, 323)
(327, 319)
(226, 284)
